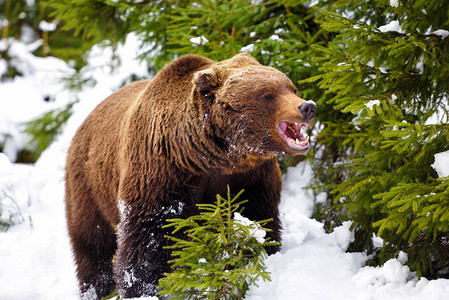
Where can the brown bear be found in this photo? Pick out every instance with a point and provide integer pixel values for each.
(154, 149)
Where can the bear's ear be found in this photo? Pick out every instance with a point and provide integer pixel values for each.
(205, 83)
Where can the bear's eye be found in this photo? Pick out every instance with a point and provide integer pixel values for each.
(269, 97)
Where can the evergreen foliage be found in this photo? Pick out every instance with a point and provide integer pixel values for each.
(22, 20)
(45, 128)
(393, 87)
(220, 257)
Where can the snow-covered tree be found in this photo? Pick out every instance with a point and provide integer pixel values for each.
(29, 30)
(387, 70)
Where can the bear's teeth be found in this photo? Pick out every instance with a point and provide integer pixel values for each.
(298, 142)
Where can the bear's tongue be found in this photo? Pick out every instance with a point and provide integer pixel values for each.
(296, 132)
(291, 132)
(294, 135)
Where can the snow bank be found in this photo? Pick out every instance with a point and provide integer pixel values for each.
(317, 266)
(35, 255)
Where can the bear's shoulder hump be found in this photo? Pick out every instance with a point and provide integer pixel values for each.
(186, 64)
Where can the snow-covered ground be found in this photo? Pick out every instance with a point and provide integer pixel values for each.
(35, 256)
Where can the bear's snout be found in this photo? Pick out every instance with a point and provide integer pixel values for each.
(307, 110)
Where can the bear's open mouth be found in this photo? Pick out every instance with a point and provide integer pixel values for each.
(294, 135)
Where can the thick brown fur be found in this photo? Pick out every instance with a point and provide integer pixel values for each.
(154, 149)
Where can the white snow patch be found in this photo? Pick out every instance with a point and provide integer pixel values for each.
(393, 273)
(123, 209)
(441, 164)
(256, 2)
(394, 3)
(245, 71)
(440, 115)
(321, 198)
(392, 26)
(90, 293)
(247, 49)
(279, 31)
(343, 235)
(296, 207)
(3, 22)
(311, 102)
(199, 40)
(3, 67)
(378, 242)
(293, 194)
(442, 33)
(255, 232)
(46, 26)
(402, 257)
(371, 103)
(276, 37)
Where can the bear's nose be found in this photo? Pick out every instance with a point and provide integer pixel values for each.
(307, 110)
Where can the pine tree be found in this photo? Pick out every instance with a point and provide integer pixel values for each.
(21, 19)
(389, 81)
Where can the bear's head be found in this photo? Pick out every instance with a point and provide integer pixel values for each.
(253, 109)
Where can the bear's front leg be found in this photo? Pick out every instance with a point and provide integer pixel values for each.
(141, 259)
(263, 191)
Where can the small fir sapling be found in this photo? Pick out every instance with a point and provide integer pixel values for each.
(219, 256)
